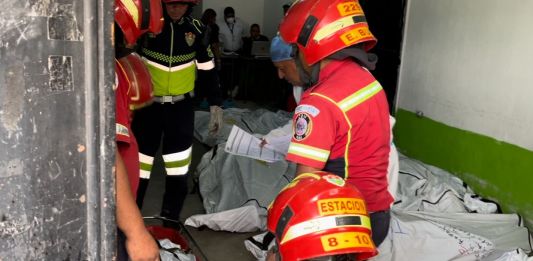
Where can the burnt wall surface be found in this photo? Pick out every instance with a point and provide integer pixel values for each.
(56, 196)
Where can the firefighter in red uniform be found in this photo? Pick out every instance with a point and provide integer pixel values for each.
(342, 122)
(133, 90)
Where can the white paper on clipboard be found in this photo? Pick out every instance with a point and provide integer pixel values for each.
(245, 144)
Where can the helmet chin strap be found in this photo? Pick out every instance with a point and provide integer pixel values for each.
(308, 80)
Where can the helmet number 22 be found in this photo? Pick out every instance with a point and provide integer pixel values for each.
(349, 8)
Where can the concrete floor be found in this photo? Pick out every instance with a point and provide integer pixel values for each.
(206, 244)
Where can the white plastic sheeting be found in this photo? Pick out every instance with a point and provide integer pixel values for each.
(244, 219)
(228, 181)
(417, 235)
(173, 252)
(236, 190)
(432, 217)
(259, 121)
(422, 187)
(433, 220)
(258, 246)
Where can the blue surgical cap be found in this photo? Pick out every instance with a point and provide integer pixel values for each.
(280, 50)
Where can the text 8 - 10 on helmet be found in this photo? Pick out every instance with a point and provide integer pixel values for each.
(136, 17)
(320, 28)
(318, 215)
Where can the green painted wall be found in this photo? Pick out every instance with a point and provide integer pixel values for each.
(494, 169)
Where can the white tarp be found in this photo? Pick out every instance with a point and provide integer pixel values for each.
(259, 121)
(432, 220)
(228, 181)
(230, 184)
(244, 219)
(258, 246)
(432, 217)
(427, 188)
(416, 235)
(170, 251)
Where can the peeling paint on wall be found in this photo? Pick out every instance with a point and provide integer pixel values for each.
(52, 196)
(11, 168)
(41, 7)
(13, 105)
(60, 68)
(62, 25)
(14, 31)
(10, 20)
(55, 170)
(10, 229)
(16, 21)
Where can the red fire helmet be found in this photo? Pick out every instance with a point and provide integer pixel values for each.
(320, 28)
(140, 90)
(318, 215)
(136, 17)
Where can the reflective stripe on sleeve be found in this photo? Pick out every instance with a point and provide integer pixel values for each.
(205, 66)
(360, 96)
(308, 152)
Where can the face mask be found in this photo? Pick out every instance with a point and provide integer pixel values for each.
(230, 20)
(297, 93)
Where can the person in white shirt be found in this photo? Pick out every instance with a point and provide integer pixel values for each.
(231, 31)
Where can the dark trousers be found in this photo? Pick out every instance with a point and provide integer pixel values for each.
(172, 125)
(380, 222)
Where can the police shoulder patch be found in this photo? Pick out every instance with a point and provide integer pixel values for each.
(303, 125)
(189, 38)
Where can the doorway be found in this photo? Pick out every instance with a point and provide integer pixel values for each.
(386, 20)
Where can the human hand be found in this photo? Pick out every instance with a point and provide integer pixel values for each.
(272, 255)
(263, 142)
(215, 120)
(142, 247)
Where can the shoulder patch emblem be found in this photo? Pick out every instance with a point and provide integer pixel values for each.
(189, 38)
(312, 110)
(122, 130)
(303, 125)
